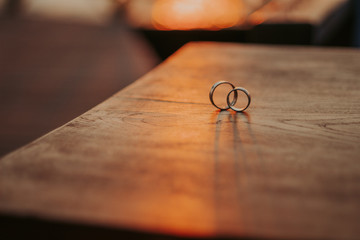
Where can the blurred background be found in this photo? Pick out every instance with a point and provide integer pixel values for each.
(58, 59)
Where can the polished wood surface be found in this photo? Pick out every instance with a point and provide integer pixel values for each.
(158, 157)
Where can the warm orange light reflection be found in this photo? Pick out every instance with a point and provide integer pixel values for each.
(256, 18)
(196, 14)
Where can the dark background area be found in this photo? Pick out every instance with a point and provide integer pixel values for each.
(53, 71)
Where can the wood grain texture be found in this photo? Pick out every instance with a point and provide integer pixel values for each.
(158, 157)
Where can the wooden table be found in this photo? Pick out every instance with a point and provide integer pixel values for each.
(158, 158)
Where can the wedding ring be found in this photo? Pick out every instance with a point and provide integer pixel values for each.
(228, 97)
(231, 105)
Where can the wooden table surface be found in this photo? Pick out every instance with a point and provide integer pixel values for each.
(158, 157)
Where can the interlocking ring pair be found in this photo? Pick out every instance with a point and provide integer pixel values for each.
(230, 104)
